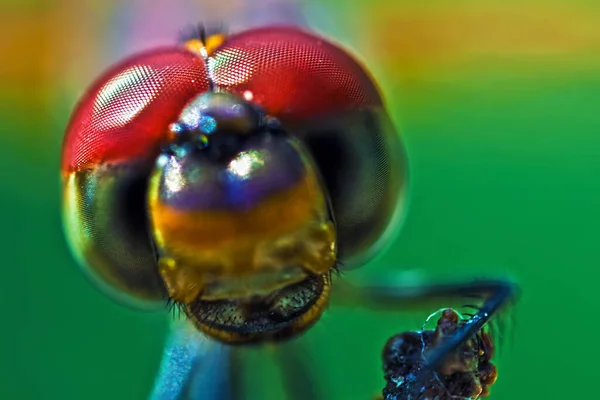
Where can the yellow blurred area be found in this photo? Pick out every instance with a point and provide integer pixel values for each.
(45, 48)
(420, 38)
(457, 29)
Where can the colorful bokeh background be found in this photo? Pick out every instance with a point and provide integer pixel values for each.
(499, 104)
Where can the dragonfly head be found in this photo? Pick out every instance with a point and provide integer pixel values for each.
(241, 222)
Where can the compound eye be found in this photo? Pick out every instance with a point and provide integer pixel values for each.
(111, 143)
(292, 74)
(124, 116)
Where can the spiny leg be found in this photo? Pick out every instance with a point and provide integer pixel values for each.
(391, 292)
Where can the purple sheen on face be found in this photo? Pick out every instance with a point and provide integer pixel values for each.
(263, 168)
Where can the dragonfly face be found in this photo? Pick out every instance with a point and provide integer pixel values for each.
(232, 175)
(244, 235)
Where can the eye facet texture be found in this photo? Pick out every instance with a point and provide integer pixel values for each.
(291, 73)
(125, 115)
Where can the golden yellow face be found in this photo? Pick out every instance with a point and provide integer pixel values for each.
(242, 227)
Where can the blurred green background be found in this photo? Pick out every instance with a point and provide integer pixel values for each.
(498, 102)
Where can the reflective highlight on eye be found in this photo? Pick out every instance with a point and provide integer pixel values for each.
(191, 118)
(207, 124)
(127, 81)
(174, 180)
(211, 113)
(175, 128)
(242, 72)
(248, 95)
(245, 162)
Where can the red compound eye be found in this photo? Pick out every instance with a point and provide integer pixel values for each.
(291, 73)
(125, 115)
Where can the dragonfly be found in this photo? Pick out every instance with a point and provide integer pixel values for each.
(233, 175)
